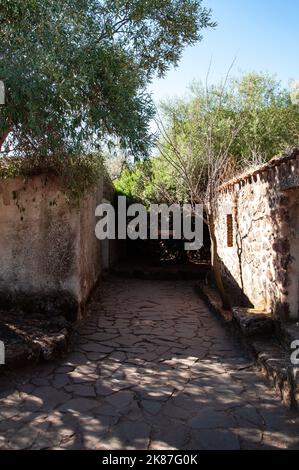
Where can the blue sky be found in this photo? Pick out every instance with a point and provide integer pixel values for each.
(262, 34)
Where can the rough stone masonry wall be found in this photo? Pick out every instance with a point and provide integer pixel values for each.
(261, 269)
(50, 257)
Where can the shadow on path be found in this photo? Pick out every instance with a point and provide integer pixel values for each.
(153, 369)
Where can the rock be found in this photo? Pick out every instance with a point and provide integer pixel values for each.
(247, 415)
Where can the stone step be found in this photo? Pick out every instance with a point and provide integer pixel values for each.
(274, 361)
(253, 322)
(259, 335)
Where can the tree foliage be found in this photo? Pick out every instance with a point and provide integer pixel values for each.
(227, 128)
(219, 131)
(76, 71)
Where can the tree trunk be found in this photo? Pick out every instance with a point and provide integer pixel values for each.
(216, 264)
(4, 136)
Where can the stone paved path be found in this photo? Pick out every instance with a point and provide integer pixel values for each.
(153, 369)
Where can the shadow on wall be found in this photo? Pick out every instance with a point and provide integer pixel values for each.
(261, 267)
(236, 293)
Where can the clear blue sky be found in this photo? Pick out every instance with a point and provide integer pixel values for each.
(262, 34)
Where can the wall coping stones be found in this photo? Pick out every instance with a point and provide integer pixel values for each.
(272, 164)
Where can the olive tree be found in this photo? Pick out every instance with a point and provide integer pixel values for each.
(76, 72)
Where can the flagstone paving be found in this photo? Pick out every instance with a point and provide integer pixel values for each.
(152, 369)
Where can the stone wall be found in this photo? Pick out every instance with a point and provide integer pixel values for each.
(50, 257)
(261, 268)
